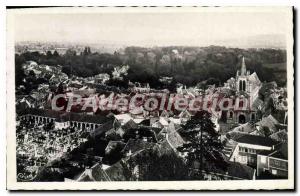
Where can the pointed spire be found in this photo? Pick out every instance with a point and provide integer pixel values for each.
(243, 69)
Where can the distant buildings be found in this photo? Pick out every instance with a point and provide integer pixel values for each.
(45, 71)
(101, 78)
(119, 72)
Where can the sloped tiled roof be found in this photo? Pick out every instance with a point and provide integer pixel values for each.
(97, 173)
(253, 78)
(129, 125)
(281, 152)
(171, 135)
(116, 172)
(135, 145)
(102, 129)
(244, 128)
(256, 140)
(112, 145)
(163, 121)
(124, 118)
(269, 122)
(88, 174)
(164, 148)
(279, 135)
(175, 139)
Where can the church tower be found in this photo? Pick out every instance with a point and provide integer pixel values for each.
(242, 82)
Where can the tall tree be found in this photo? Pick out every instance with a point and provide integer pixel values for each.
(204, 146)
(55, 54)
(49, 54)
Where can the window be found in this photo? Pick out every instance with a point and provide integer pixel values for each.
(251, 159)
(241, 86)
(276, 162)
(230, 114)
(253, 151)
(263, 159)
(241, 104)
(244, 85)
(225, 104)
(253, 117)
(244, 158)
(274, 171)
(242, 149)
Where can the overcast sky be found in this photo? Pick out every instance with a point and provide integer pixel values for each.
(150, 28)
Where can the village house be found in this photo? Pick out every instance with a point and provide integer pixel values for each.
(247, 147)
(273, 162)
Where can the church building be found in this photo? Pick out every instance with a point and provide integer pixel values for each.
(245, 86)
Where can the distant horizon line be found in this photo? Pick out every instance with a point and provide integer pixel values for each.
(117, 45)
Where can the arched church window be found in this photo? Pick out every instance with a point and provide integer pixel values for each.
(241, 104)
(241, 85)
(244, 85)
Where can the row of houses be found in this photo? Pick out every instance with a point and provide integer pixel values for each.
(161, 141)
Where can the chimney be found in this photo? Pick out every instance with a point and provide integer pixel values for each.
(273, 147)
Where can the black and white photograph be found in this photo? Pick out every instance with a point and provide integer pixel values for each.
(150, 98)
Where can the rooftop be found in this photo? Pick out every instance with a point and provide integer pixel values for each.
(281, 152)
(137, 145)
(256, 140)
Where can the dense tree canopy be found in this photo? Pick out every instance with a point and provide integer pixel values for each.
(187, 65)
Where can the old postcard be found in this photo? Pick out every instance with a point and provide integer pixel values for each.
(150, 98)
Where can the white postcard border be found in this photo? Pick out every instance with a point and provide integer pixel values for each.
(12, 184)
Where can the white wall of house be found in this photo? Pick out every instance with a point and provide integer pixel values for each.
(243, 159)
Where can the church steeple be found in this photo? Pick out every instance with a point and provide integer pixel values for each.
(243, 69)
